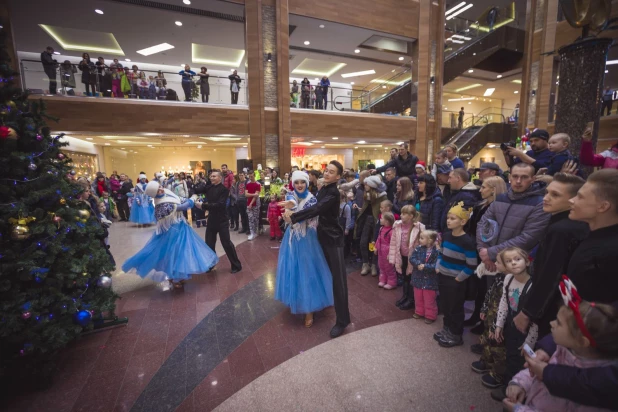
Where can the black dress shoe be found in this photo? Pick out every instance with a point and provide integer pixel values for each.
(235, 229)
(236, 270)
(337, 331)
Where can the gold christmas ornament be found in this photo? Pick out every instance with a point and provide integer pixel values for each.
(63, 201)
(83, 215)
(20, 232)
(85, 274)
(11, 104)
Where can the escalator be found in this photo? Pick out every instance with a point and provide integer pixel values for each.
(471, 140)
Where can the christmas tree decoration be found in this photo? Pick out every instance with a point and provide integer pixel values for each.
(45, 265)
(104, 282)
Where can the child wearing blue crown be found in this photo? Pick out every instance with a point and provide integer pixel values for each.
(456, 263)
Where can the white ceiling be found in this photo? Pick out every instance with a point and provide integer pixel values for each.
(134, 28)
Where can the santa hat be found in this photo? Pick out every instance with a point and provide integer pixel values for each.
(298, 175)
(421, 164)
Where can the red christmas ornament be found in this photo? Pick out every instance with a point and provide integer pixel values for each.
(4, 132)
(60, 156)
(57, 219)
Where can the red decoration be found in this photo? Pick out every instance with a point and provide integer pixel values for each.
(4, 132)
(298, 151)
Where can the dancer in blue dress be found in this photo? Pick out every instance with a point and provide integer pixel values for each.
(304, 281)
(175, 251)
(142, 210)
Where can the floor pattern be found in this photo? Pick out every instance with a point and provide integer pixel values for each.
(191, 349)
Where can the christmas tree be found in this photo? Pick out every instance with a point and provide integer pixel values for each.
(54, 266)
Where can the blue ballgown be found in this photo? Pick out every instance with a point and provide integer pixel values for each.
(175, 251)
(142, 209)
(304, 281)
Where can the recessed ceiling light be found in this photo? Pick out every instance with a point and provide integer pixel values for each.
(351, 82)
(356, 51)
(155, 49)
(186, 2)
(400, 57)
(321, 26)
(108, 144)
(355, 74)
(122, 148)
(516, 92)
(316, 141)
(98, 11)
(470, 71)
(89, 138)
(393, 71)
(489, 91)
(199, 147)
(499, 76)
(127, 60)
(335, 138)
(361, 142)
(307, 42)
(178, 23)
(384, 87)
(244, 146)
(469, 102)
(56, 52)
(474, 54)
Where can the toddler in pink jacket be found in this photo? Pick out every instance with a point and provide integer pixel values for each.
(388, 277)
(586, 335)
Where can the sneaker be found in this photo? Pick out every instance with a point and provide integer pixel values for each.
(489, 381)
(389, 287)
(477, 348)
(499, 394)
(480, 367)
(416, 316)
(251, 237)
(374, 270)
(381, 284)
(365, 269)
(438, 335)
(429, 321)
(450, 339)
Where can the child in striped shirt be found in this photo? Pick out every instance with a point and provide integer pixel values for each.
(456, 263)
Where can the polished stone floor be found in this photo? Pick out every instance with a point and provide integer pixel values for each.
(222, 338)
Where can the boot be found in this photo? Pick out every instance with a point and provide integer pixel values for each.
(404, 296)
(409, 302)
(374, 270)
(365, 269)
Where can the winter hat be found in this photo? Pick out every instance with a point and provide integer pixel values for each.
(444, 168)
(152, 188)
(142, 176)
(298, 175)
(158, 175)
(373, 182)
(421, 164)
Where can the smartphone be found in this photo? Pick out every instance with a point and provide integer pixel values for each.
(529, 351)
(590, 125)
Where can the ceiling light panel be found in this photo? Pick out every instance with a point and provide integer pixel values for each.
(457, 12)
(220, 56)
(84, 40)
(457, 7)
(472, 86)
(318, 68)
(489, 91)
(155, 49)
(355, 74)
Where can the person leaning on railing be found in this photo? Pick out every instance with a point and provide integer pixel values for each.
(49, 66)
(234, 86)
(187, 81)
(89, 74)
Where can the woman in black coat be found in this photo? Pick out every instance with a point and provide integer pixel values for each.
(89, 74)
(429, 202)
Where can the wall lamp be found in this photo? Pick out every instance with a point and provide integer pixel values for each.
(269, 57)
(432, 79)
(533, 93)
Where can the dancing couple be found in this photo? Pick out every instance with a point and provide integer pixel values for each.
(311, 270)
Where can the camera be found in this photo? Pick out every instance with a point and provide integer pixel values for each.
(505, 146)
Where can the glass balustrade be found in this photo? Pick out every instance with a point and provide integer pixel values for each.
(150, 85)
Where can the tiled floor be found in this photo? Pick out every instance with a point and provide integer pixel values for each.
(191, 349)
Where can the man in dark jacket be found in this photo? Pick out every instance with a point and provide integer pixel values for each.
(539, 156)
(515, 218)
(459, 189)
(330, 235)
(594, 263)
(404, 164)
(49, 67)
(123, 198)
(218, 220)
(391, 183)
(562, 237)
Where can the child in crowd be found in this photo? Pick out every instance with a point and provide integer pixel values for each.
(442, 163)
(493, 353)
(385, 206)
(585, 335)
(105, 222)
(406, 233)
(424, 276)
(346, 221)
(456, 263)
(388, 277)
(110, 206)
(516, 285)
(558, 144)
(274, 216)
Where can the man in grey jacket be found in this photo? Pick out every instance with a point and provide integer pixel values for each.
(515, 218)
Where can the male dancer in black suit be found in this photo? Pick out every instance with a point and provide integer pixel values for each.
(330, 235)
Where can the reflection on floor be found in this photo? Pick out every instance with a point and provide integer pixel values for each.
(191, 349)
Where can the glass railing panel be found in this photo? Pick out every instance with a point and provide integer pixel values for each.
(166, 85)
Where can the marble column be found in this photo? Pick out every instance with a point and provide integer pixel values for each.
(582, 72)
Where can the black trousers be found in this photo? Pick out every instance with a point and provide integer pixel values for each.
(123, 209)
(186, 86)
(204, 98)
(233, 209)
(367, 225)
(223, 229)
(336, 264)
(513, 340)
(452, 298)
(234, 97)
(606, 104)
(52, 82)
(242, 210)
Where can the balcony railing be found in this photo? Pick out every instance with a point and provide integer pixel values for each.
(108, 83)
